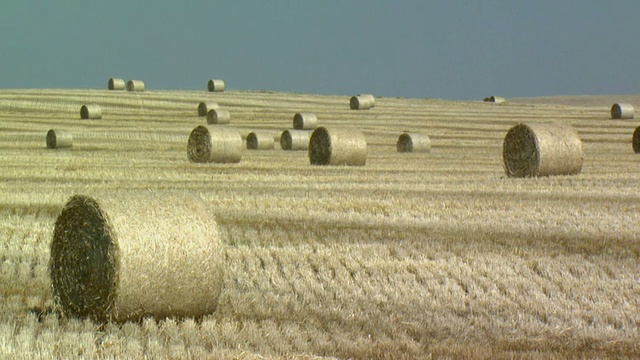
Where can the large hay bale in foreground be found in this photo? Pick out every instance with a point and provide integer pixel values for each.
(531, 150)
(260, 140)
(622, 111)
(305, 121)
(413, 142)
(206, 106)
(135, 85)
(218, 144)
(362, 102)
(218, 117)
(636, 140)
(337, 146)
(116, 84)
(120, 258)
(57, 139)
(215, 85)
(295, 139)
(91, 111)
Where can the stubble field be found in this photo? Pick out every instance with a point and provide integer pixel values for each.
(413, 255)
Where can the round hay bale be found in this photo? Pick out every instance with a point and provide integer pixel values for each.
(622, 111)
(531, 150)
(305, 121)
(218, 144)
(636, 140)
(116, 84)
(205, 107)
(495, 99)
(362, 102)
(91, 111)
(218, 117)
(135, 85)
(120, 258)
(337, 146)
(260, 141)
(215, 85)
(57, 139)
(413, 142)
(295, 139)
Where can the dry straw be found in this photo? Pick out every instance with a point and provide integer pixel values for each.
(116, 84)
(57, 139)
(215, 85)
(636, 140)
(91, 111)
(622, 111)
(120, 258)
(413, 142)
(218, 117)
(260, 141)
(362, 102)
(135, 85)
(531, 150)
(337, 146)
(218, 144)
(295, 139)
(495, 99)
(205, 107)
(305, 121)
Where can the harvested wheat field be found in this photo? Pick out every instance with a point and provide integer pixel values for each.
(413, 255)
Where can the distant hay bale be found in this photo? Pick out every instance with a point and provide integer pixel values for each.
(295, 139)
(260, 140)
(337, 146)
(121, 258)
(215, 85)
(219, 144)
(218, 117)
(91, 111)
(116, 84)
(57, 139)
(413, 142)
(636, 140)
(531, 150)
(495, 99)
(305, 121)
(205, 107)
(362, 102)
(135, 85)
(622, 111)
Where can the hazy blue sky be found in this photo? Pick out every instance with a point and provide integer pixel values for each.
(435, 49)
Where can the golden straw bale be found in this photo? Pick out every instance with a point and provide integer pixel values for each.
(218, 117)
(337, 146)
(531, 150)
(362, 102)
(305, 121)
(116, 84)
(205, 107)
(218, 144)
(495, 99)
(295, 139)
(57, 139)
(413, 142)
(636, 140)
(260, 140)
(91, 111)
(215, 85)
(135, 85)
(622, 111)
(119, 258)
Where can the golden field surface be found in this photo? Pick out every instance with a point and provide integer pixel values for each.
(433, 255)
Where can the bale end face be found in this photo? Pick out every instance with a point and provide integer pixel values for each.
(636, 140)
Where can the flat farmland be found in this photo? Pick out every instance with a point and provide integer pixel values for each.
(415, 255)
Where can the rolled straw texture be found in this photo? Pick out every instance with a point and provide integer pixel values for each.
(622, 111)
(531, 150)
(215, 85)
(135, 85)
(295, 139)
(119, 258)
(305, 121)
(362, 102)
(91, 111)
(205, 107)
(413, 142)
(260, 141)
(116, 84)
(218, 117)
(337, 146)
(218, 144)
(57, 139)
(636, 140)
